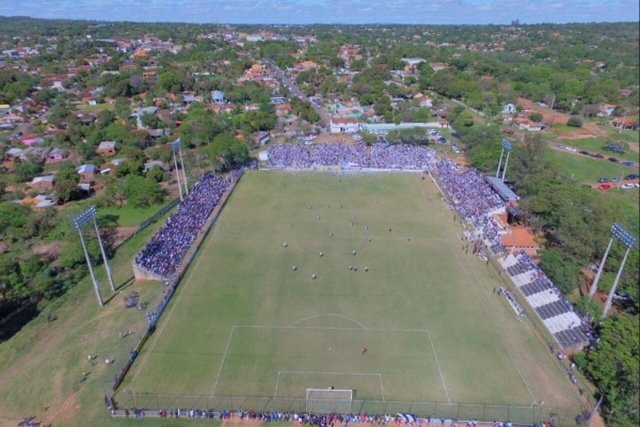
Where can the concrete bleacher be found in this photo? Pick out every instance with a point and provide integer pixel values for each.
(554, 311)
(542, 299)
(534, 287)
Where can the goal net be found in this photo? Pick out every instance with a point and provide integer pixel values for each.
(327, 400)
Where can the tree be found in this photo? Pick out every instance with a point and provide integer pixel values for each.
(226, 151)
(72, 254)
(157, 174)
(536, 117)
(142, 192)
(563, 273)
(122, 108)
(529, 164)
(169, 81)
(464, 120)
(368, 137)
(11, 281)
(574, 121)
(105, 118)
(358, 65)
(25, 171)
(13, 220)
(114, 192)
(586, 306)
(614, 368)
(66, 183)
(150, 120)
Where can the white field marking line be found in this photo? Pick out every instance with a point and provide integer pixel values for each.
(352, 374)
(330, 315)
(329, 328)
(495, 324)
(332, 328)
(224, 356)
(446, 392)
(168, 315)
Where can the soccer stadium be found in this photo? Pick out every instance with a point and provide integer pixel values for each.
(344, 281)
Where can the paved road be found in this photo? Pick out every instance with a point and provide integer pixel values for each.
(295, 90)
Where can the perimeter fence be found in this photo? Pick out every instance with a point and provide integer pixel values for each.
(525, 415)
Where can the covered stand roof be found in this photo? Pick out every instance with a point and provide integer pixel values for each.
(505, 192)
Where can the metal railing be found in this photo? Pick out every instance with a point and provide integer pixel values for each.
(442, 410)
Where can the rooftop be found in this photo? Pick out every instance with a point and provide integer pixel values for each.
(501, 188)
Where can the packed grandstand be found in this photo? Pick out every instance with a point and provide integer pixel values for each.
(465, 190)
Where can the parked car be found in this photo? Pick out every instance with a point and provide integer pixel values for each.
(603, 179)
(631, 177)
(617, 148)
(604, 187)
(598, 156)
(613, 160)
(622, 296)
(586, 153)
(627, 186)
(629, 164)
(615, 179)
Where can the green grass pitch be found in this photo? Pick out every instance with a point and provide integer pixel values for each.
(244, 322)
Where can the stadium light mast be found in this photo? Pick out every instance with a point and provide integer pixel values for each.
(629, 241)
(594, 285)
(506, 146)
(176, 147)
(79, 223)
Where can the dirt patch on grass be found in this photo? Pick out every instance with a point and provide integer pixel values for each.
(49, 251)
(236, 421)
(123, 233)
(64, 412)
(576, 134)
(557, 118)
(331, 138)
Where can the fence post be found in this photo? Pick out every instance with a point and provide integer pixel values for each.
(484, 412)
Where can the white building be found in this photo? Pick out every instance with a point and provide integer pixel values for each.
(344, 125)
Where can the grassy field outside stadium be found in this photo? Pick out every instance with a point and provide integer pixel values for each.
(244, 322)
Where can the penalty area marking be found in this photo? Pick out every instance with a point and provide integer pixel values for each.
(351, 374)
(330, 315)
(330, 328)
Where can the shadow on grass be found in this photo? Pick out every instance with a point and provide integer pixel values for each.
(121, 287)
(18, 317)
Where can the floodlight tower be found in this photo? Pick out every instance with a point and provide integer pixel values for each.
(629, 241)
(78, 223)
(176, 147)
(506, 146)
(594, 285)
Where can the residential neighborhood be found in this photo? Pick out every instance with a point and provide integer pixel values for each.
(123, 129)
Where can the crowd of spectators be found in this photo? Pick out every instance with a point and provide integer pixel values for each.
(490, 229)
(303, 418)
(167, 248)
(377, 156)
(473, 198)
(468, 191)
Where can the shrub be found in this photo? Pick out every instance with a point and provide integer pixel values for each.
(574, 121)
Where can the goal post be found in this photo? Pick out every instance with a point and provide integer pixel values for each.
(329, 400)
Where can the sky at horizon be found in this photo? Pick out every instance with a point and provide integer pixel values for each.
(330, 11)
